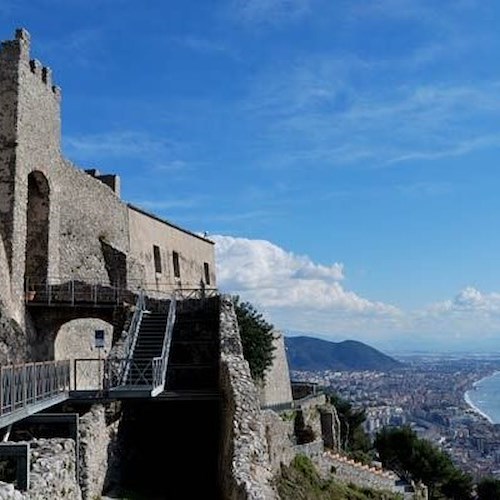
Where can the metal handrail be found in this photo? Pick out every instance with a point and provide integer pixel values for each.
(132, 334)
(31, 383)
(81, 290)
(73, 292)
(160, 363)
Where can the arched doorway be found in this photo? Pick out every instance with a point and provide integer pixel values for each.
(37, 228)
(75, 340)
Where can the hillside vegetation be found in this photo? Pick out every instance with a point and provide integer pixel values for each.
(301, 481)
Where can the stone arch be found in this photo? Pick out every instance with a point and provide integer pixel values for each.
(37, 228)
(75, 340)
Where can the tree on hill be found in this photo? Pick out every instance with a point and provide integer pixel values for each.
(413, 458)
(488, 488)
(256, 337)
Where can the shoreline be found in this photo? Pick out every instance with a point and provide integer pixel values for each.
(473, 406)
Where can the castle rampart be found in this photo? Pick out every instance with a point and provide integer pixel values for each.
(60, 222)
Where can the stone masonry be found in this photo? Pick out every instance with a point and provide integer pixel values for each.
(53, 472)
(244, 459)
(59, 222)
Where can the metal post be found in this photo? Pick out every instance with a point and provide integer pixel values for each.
(1, 391)
(25, 388)
(35, 383)
(74, 374)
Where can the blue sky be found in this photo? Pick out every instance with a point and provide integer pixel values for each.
(342, 154)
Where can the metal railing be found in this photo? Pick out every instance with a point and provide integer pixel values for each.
(108, 373)
(160, 363)
(80, 288)
(32, 383)
(74, 292)
(105, 374)
(132, 334)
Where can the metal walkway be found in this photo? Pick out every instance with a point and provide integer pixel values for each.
(32, 387)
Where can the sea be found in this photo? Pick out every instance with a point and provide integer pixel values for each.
(485, 397)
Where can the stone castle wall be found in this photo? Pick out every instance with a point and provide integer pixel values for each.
(59, 222)
(244, 459)
(277, 389)
(98, 452)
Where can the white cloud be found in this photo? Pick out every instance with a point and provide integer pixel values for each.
(266, 274)
(299, 295)
(470, 302)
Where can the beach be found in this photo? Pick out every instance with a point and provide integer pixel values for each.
(484, 397)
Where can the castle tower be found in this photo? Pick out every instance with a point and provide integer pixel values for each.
(30, 147)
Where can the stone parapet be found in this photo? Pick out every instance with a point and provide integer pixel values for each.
(348, 471)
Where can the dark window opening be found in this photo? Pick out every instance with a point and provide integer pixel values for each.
(157, 258)
(206, 269)
(175, 261)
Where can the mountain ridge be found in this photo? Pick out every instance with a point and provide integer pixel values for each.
(313, 354)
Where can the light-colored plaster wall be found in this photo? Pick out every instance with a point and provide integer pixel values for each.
(76, 340)
(146, 231)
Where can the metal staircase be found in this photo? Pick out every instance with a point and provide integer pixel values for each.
(143, 369)
(149, 345)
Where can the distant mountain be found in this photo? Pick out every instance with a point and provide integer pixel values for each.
(308, 353)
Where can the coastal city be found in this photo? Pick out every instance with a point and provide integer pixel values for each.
(428, 393)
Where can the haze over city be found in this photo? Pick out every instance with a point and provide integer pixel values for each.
(342, 155)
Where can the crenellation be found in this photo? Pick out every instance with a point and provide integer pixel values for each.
(23, 35)
(44, 74)
(36, 67)
(17, 49)
(47, 76)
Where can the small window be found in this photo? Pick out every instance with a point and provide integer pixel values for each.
(206, 269)
(157, 258)
(175, 261)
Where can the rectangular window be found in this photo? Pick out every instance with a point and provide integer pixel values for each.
(206, 269)
(157, 258)
(175, 261)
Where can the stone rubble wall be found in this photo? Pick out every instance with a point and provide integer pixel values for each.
(314, 450)
(52, 472)
(98, 452)
(279, 437)
(13, 341)
(244, 459)
(310, 408)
